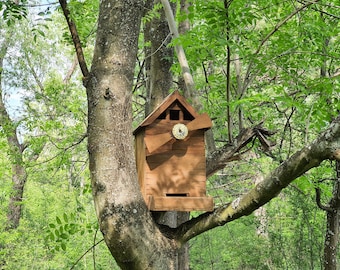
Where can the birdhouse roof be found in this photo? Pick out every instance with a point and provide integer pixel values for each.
(166, 103)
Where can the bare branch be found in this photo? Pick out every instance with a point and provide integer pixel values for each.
(318, 201)
(218, 159)
(87, 251)
(75, 38)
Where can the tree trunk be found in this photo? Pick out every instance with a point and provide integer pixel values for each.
(332, 227)
(19, 178)
(160, 59)
(331, 240)
(19, 175)
(133, 238)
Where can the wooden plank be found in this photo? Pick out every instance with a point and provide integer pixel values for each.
(155, 141)
(161, 126)
(180, 204)
(198, 191)
(174, 158)
(202, 121)
(167, 102)
(193, 185)
(140, 159)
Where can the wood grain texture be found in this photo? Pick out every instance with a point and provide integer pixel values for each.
(172, 173)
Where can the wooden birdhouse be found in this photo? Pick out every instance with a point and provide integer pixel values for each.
(170, 156)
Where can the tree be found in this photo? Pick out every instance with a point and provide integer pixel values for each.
(10, 129)
(135, 240)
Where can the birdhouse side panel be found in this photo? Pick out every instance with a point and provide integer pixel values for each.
(140, 160)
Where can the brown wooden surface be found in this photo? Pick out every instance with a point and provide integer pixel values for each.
(154, 142)
(175, 96)
(180, 204)
(173, 172)
(200, 122)
(140, 159)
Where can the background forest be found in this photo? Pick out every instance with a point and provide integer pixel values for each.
(275, 64)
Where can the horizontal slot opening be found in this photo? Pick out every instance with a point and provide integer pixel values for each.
(176, 194)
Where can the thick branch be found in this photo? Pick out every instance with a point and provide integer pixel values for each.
(75, 38)
(309, 157)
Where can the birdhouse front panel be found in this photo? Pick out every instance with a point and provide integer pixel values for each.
(170, 154)
(170, 174)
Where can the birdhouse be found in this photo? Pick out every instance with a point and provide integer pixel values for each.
(170, 157)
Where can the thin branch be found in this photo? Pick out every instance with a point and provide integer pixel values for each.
(71, 70)
(266, 38)
(75, 38)
(218, 159)
(323, 12)
(87, 251)
(159, 47)
(94, 249)
(63, 150)
(81, 139)
(35, 75)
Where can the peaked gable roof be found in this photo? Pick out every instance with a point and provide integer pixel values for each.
(166, 103)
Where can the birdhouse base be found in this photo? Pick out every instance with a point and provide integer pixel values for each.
(185, 204)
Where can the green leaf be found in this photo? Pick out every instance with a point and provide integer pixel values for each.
(64, 236)
(58, 220)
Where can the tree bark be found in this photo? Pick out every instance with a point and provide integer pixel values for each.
(161, 59)
(132, 237)
(332, 227)
(331, 240)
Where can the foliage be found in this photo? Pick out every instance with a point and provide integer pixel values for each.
(12, 12)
